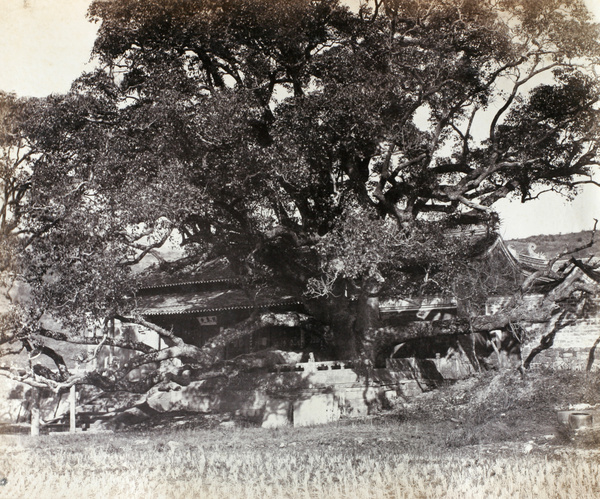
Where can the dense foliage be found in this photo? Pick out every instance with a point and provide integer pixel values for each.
(304, 141)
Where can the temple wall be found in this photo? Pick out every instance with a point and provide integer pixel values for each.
(574, 346)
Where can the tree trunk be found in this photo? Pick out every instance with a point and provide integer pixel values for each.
(556, 324)
(367, 322)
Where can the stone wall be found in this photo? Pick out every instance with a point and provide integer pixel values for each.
(438, 369)
(572, 345)
(317, 394)
(572, 358)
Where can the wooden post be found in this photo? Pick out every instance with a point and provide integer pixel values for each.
(35, 412)
(72, 402)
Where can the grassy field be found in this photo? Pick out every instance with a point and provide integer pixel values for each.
(362, 460)
(456, 443)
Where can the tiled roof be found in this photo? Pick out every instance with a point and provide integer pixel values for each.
(592, 271)
(208, 301)
(216, 271)
(527, 263)
(190, 280)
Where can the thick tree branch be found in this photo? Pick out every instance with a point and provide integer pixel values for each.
(95, 340)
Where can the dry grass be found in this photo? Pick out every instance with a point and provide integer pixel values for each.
(494, 436)
(364, 460)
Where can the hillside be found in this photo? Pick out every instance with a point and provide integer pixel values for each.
(551, 245)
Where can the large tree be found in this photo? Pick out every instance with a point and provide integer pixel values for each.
(325, 148)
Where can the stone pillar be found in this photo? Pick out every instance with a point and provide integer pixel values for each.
(72, 403)
(35, 412)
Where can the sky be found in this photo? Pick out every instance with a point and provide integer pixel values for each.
(46, 44)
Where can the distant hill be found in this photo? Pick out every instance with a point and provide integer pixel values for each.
(551, 245)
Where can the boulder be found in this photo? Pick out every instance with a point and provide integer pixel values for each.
(196, 397)
(276, 414)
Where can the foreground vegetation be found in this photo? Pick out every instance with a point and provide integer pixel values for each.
(360, 460)
(471, 440)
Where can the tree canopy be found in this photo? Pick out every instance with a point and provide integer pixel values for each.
(306, 142)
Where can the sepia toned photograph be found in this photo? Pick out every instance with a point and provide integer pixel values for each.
(299, 249)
